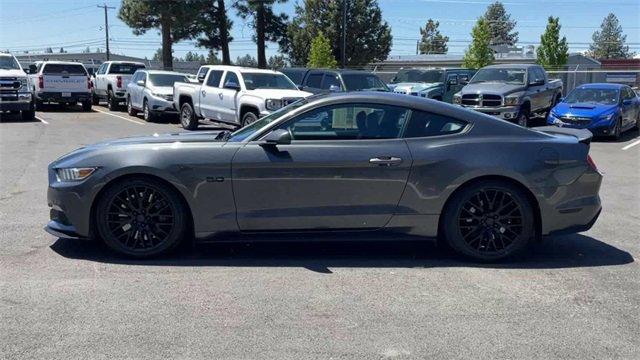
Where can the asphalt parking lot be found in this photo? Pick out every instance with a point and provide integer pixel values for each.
(573, 296)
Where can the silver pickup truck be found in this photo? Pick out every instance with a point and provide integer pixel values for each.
(15, 90)
(512, 92)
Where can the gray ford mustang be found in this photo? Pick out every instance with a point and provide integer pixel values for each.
(366, 162)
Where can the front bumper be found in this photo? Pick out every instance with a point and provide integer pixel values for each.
(509, 113)
(62, 231)
(599, 127)
(16, 101)
(58, 97)
(161, 105)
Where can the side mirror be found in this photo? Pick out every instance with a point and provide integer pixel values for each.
(201, 78)
(537, 82)
(463, 81)
(32, 69)
(232, 86)
(140, 82)
(334, 88)
(626, 102)
(277, 137)
(452, 82)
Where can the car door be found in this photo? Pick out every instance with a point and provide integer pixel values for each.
(451, 86)
(628, 107)
(209, 107)
(134, 90)
(100, 87)
(546, 98)
(228, 96)
(313, 82)
(345, 168)
(535, 91)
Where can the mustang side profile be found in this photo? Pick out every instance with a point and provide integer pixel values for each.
(366, 162)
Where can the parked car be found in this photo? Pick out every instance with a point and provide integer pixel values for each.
(234, 95)
(295, 74)
(511, 92)
(110, 82)
(61, 82)
(605, 109)
(15, 88)
(151, 91)
(386, 164)
(332, 80)
(437, 84)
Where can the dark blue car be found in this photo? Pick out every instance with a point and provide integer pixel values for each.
(604, 109)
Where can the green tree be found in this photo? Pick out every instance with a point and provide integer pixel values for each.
(247, 60)
(212, 59)
(48, 50)
(173, 18)
(432, 42)
(368, 35)
(277, 62)
(321, 54)
(609, 42)
(553, 52)
(267, 25)
(500, 24)
(479, 53)
(192, 56)
(214, 27)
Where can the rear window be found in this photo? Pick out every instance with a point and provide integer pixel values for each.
(127, 69)
(71, 69)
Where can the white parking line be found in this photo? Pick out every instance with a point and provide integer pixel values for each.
(631, 145)
(118, 116)
(42, 120)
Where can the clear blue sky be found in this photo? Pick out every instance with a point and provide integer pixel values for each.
(74, 24)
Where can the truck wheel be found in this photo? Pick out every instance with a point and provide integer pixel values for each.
(95, 100)
(523, 118)
(28, 115)
(188, 117)
(248, 118)
(130, 110)
(112, 103)
(86, 105)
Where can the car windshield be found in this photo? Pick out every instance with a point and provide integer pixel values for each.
(166, 79)
(126, 69)
(295, 75)
(254, 81)
(249, 130)
(8, 63)
(359, 82)
(593, 96)
(509, 76)
(426, 76)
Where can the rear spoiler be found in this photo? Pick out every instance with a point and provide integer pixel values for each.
(584, 136)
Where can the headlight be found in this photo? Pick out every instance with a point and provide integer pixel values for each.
(512, 100)
(24, 83)
(273, 104)
(457, 99)
(606, 116)
(74, 174)
(163, 96)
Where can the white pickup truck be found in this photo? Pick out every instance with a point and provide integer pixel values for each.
(234, 95)
(110, 82)
(15, 91)
(61, 82)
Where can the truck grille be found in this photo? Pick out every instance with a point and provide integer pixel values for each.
(574, 120)
(9, 84)
(483, 100)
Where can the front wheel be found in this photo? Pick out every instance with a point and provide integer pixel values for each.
(489, 220)
(149, 116)
(249, 118)
(523, 118)
(617, 130)
(130, 110)
(188, 118)
(28, 115)
(141, 218)
(95, 100)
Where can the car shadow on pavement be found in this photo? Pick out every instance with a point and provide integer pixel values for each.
(624, 137)
(320, 256)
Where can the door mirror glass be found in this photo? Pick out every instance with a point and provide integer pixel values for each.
(626, 102)
(277, 137)
(232, 85)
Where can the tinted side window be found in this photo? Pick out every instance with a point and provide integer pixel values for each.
(539, 73)
(314, 80)
(231, 77)
(628, 94)
(330, 80)
(423, 124)
(214, 78)
(349, 122)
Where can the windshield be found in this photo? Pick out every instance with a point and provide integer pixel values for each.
(295, 75)
(126, 69)
(593, 96)
(249, 130)
(358, 82)
(8, 63)
(509, 76)
(166, 79)
(254, 81)
(426, 76)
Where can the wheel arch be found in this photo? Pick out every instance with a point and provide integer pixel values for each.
(244, 108)
(537, 217)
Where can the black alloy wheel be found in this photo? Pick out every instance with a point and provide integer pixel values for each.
(141, 218)
(188, 120)
(489, 221)
(249, 118)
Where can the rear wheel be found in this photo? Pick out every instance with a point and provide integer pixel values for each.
(188, 118)
(489, 220)
(86, 105)
(141, 217)
(112, 103)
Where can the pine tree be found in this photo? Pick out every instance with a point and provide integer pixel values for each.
(500, 24)
(553, 52)
(608, 43)
(268, 25)
(276, 62)
(479, 53)
(432, 41)
(321, 55)
(247, 61)
(214, 26)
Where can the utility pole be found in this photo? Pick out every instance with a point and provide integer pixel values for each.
(106, 25)
(344, 34)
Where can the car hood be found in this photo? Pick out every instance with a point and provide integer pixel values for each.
(162, 90)
(492, 87)
(278, 93)
(582, 109)
(409, 87)
(12, 73)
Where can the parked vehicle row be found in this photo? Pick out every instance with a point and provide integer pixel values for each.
(334, 80)
(437, 84)
(61, 82)
(110, 82)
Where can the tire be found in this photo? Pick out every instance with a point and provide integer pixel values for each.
(130, 110)
(95, 100)
(86, 105)
(149, 116)
(28, 115)
(489, 220)
(112, 103)
(617, 130)
(188, 118)
(141, 218)
(523, 117)
(39, 105)
(248, 118)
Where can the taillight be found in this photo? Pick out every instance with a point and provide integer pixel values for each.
(119, 81)
(41, 82)
(592, 164)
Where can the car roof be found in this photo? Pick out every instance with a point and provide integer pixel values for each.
(124, 62)
(148, 71)
(511, 66)
(241, 69)
(436, 68)
(601, 86)
(342, 71)
(61, 62)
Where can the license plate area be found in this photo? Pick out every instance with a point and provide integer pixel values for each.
(66, 94)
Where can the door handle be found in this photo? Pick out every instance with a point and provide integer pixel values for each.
(220, 95)
(204, 93)
(385, 161)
